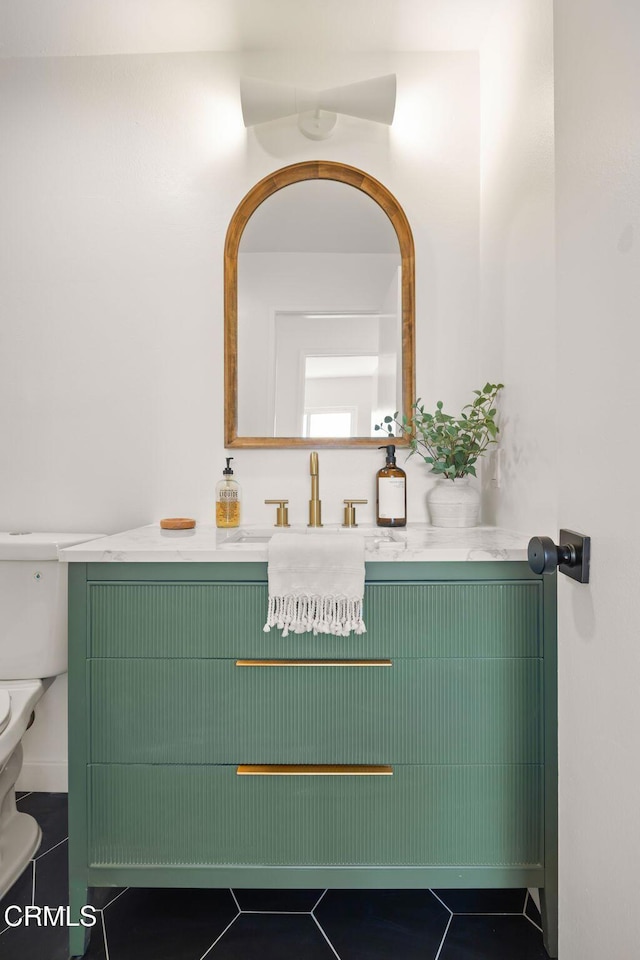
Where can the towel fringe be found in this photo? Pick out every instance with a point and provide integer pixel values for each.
(335, 615)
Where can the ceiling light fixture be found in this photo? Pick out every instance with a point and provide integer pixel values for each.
(317, 110)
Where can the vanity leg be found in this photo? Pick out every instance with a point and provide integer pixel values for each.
(78, 936)
(549, 912)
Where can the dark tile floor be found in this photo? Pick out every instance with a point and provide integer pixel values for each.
(141, 924)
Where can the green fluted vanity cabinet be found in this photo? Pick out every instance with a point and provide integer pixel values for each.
(421, 754)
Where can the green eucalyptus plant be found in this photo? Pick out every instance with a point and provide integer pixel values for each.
(450, 446)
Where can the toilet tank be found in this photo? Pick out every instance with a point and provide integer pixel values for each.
(33, 604)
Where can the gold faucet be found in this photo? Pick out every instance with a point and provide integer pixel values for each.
(315, 506)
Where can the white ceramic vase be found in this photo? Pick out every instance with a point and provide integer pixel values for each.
(453, 503)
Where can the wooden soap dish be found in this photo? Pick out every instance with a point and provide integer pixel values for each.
(177, 523)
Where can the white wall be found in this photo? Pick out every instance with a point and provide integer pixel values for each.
(517, 341)
(597, 78)
(118, 177)
(45, 743)
(390, 371)
(517, 308)
(570, 362)
(298, 339)
(270, 283)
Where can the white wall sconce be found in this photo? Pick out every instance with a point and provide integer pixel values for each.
(317, 110)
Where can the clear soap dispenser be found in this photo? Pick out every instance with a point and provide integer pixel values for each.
(228, 499)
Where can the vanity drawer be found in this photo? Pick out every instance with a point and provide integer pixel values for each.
(413, 711)
(460, 815)
(486, 619)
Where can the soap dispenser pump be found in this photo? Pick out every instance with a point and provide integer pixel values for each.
(391, 492)
(228, 499)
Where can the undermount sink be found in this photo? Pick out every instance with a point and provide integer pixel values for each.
(255, 537)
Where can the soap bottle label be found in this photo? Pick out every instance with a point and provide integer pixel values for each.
(391, 498)
(228, 512)
(227, 504)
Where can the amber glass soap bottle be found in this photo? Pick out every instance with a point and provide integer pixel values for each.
(391, 492)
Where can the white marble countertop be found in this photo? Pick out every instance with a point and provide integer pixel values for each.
(206, 544)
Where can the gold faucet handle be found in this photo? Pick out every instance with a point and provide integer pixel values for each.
(282, 513)
(350, 512)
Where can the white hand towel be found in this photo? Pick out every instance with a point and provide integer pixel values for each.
(316, 583)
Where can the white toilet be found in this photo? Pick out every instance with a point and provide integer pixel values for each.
(33, 651)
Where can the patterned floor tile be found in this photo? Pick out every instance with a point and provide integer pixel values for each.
(532, 911)
(294, 901)
(19, 894)
(383, 924)
(263, 936)
(50, 810)
(165, 924)
(101, 897)
(47, 943)
(52, 877)
(483, 901)
(492, 938)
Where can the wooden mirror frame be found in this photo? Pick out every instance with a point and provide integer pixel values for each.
(295, 173)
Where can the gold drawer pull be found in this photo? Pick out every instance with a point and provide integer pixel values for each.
(313, 770)
(314, 663)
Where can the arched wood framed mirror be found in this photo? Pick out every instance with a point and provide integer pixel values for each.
(319, 314)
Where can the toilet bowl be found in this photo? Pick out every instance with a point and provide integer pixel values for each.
(33, 651)
(19, 833)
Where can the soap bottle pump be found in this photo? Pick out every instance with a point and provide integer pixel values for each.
(391, 492)
(227, 499)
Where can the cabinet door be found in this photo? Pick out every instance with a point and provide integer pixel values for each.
(409, 711)
(489, 619)
(421, 815)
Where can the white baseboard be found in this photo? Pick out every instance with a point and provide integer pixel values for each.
(49, 776)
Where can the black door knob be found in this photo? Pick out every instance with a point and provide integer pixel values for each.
(544, 556)
(572, 555)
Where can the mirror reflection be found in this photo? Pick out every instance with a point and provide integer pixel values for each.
(319, 314)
